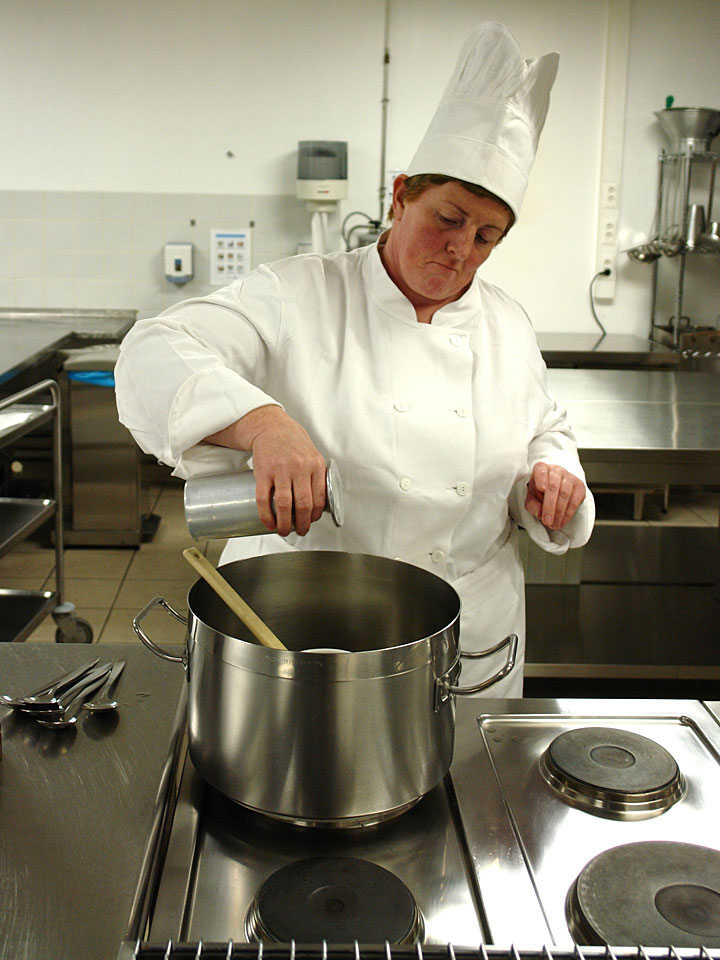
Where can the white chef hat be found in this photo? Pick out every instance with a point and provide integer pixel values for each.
(487, 125)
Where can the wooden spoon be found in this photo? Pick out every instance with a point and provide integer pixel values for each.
(262, 633)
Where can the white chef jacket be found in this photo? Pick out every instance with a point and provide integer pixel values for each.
(434, 427)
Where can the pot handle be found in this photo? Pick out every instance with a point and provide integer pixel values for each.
(137, 620)
(444, 689)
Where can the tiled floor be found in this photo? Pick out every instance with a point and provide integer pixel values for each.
(109, 586)
(688, 507)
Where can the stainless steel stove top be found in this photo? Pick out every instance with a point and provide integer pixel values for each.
(491, 854)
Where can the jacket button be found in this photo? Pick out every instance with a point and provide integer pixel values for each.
(405, 483)
(462, 411)
(456, 340)
(437, 556)
(463, 489)
(401, 406)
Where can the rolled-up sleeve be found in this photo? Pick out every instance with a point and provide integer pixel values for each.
(196, 369)
(553, 443)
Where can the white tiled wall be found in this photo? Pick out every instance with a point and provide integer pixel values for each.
(105, 250)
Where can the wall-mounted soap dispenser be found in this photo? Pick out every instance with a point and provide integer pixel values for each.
(178, 262)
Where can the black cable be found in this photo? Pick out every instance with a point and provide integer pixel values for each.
(603, 273)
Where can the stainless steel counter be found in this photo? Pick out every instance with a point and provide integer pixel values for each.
(78, 806)
(29, 336)
(646, 604)
(643, 426)
(611, 350)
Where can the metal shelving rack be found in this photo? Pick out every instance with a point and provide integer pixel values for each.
(676, 234)
(676, 333)
(22, 610)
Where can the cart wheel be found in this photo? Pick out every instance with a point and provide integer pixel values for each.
(80, 631)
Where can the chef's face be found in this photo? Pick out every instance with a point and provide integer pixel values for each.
(439, 239)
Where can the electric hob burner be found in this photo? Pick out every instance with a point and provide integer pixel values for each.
(655, 892)
(612, 773)
(336, 899)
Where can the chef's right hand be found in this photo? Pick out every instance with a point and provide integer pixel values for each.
(287, 466)
(289, 469)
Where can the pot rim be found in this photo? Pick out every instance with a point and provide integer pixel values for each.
(439, 648)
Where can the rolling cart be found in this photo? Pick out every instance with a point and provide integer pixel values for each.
(22, 610)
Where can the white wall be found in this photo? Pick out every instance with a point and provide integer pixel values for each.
(148, 96)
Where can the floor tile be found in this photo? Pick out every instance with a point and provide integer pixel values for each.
(26, 583)
(134, 594)
(34, 545)
(678, 515)
(171, 532)
(705, 503)
(97, 564)
(37, 565)
(168, 544)
(168, 566)
(97, 594)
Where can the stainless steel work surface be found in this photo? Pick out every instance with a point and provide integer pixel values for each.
(25, 344)
(638, 425)
(31, 335)
(77, 806)
(634, 386)
(599, 350)
(643, 426)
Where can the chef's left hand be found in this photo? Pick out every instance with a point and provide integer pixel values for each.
(553, 495)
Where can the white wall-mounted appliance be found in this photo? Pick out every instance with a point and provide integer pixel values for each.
(321, 183)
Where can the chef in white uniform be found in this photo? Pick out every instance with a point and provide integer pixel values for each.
(423, 382)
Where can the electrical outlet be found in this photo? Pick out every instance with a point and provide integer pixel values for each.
(609, 197)
(608, 226)
(604, 287)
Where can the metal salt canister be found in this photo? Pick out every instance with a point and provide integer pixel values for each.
(223, 505)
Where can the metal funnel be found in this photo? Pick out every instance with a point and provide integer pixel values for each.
(690, 129)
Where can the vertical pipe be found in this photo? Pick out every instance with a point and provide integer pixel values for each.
(686, 173)
(58, 494)
(711, 191)
(658, 232)
(385, 101)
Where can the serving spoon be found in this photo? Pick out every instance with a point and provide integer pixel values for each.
(260, 630)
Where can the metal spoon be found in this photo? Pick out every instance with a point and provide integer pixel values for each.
(55, 710)
(103, 701)
(72, 711)
(46, 696)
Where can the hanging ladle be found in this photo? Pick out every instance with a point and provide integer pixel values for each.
(262, 633)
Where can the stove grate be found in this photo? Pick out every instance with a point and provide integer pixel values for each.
(324, 951)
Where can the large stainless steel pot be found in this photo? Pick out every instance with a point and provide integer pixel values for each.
(324, 738)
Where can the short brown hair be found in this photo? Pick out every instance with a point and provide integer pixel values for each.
(414, 186)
